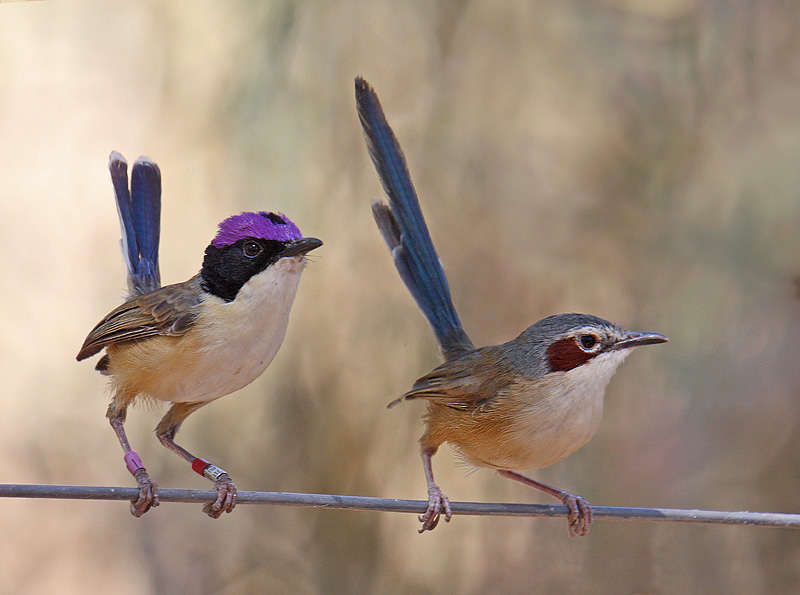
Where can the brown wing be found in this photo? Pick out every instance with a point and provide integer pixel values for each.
(464, 382)
(170, 310)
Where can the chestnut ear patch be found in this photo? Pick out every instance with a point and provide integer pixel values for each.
(565, 355)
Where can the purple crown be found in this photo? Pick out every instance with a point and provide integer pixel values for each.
(264, 225)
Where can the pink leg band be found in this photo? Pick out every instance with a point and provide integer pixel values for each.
(133, 462)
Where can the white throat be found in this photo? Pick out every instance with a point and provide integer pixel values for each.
(561, 413)
(235, 341)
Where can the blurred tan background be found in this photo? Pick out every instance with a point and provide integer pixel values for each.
(634, 159)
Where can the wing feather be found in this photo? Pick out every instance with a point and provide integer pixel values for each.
(464, 382)
(169, 311)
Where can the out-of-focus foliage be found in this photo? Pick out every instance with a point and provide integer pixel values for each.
(633, 159)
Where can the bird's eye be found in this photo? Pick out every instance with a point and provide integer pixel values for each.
(251, 249)
(587, 341)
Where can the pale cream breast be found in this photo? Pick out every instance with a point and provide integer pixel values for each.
(229, 346)
(548, 418)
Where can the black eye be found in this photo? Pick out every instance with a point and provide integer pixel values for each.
(587, 341)
(251, 249)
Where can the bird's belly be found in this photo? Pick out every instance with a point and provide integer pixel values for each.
(218, 369)
(536, 433)
(230, 346)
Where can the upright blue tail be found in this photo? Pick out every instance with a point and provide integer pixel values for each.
(139, 211)
(403, 227)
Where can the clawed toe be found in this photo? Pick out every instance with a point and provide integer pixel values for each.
(580, 514)
(148, 494)
(226, 497)
(438, 503)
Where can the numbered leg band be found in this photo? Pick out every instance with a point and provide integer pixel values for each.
(207, 470)
(133, 462)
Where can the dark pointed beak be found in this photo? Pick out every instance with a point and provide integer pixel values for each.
(635, 339)
(301, 246)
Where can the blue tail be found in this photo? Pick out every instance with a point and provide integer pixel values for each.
(139, 212)
(403, 227)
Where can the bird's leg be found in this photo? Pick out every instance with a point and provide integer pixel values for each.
(148, 490)
(437, 501)
(580, 513)
(226, 489)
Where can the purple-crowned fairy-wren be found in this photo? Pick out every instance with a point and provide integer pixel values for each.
(193, 342)
(525, 404)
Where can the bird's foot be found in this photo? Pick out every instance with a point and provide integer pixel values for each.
(437, 504)
(148, 494)
(580, 514)
(226, 497)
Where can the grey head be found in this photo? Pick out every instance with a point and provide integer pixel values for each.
(564, 342)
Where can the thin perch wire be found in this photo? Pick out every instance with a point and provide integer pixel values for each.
(718, 517)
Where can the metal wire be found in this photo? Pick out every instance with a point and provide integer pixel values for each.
(719, 517)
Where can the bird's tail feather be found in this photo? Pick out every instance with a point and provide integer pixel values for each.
(139, 211)
(403, 227)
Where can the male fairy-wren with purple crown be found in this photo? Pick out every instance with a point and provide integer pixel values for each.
(193, 342)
